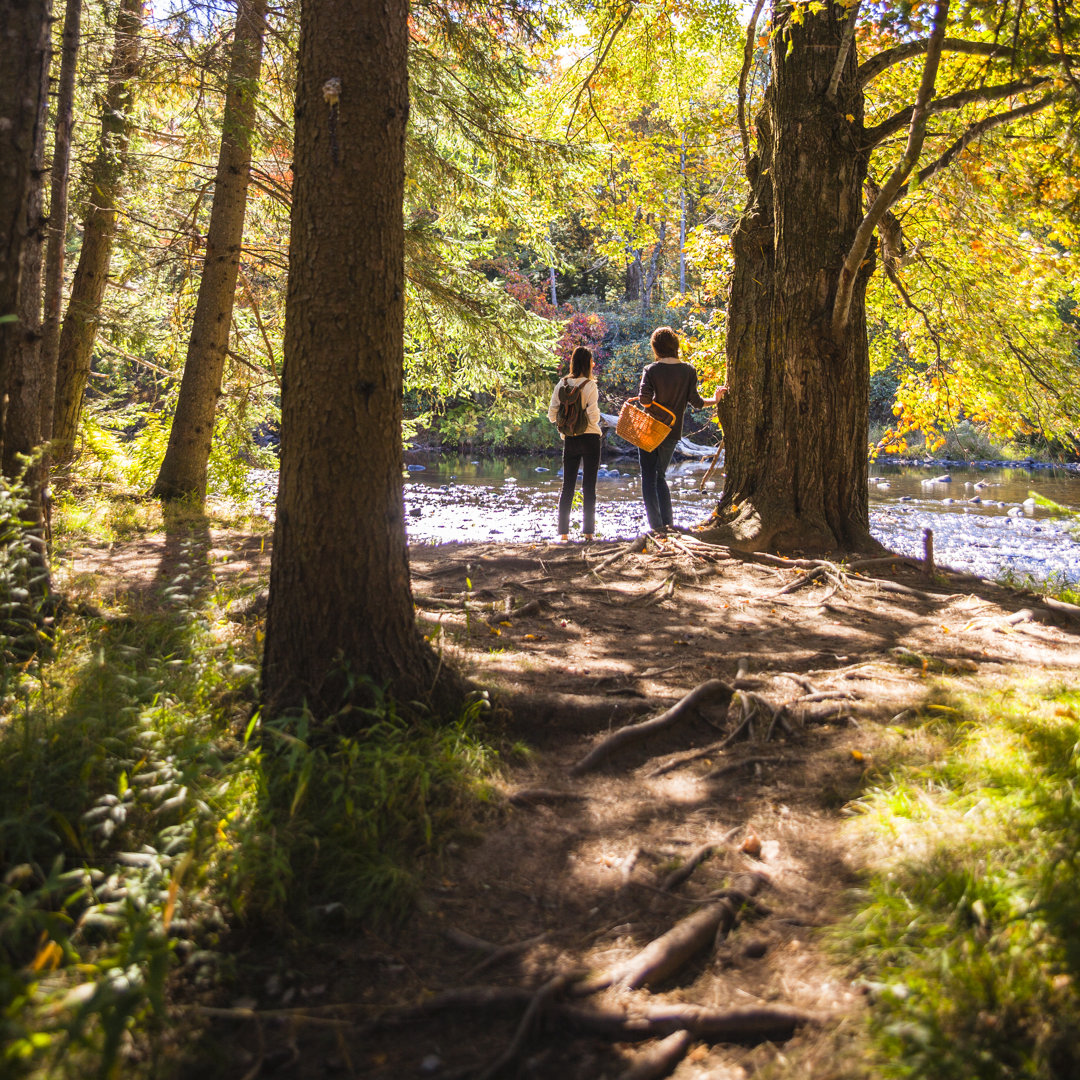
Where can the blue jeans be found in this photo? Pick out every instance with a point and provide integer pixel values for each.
(654, 489)
(583, 450)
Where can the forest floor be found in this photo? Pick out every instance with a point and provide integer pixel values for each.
(566, 879)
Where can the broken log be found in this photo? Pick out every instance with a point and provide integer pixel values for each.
(707, 693)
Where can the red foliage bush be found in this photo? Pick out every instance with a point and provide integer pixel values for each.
(579, 327)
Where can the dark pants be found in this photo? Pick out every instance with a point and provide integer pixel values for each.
(654, 487)
(583, 450)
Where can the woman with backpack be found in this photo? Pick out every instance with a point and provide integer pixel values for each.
(575, 411)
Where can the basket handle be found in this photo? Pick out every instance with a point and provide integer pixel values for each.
(644, 408)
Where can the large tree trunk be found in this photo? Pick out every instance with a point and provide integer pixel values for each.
(340, 600)
(183, 471)
(99, 227)
(58, 212)
(795, 422)
(26, 44)
(24, 47)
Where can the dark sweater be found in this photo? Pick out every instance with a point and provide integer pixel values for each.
(672, 384)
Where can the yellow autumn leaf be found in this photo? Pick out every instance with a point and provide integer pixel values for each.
(857, 755)
(48, 957)
(850, 118)
(170, 903)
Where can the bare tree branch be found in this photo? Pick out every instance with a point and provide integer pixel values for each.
(916, 134)
(845, 48)
(744, 74)
(902, 119)
(872, 68)
(599, 63)
(971, 134)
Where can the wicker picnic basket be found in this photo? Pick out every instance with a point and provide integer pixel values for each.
(638, 426)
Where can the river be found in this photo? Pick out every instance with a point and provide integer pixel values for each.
(1000, 533)
(981, 518)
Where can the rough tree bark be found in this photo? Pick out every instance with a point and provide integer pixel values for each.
(58, 212)
(183, 470)
(24, 46)
(340, 601)
(795, 422)
(99, 228)
(24, 39)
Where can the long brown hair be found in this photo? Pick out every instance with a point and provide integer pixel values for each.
(581, 363)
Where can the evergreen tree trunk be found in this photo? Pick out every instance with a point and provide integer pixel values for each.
(24, 38)
(23, 44)
(58, 212)
(99, 228)
(340, 599)
(795, 421)
(183, 471)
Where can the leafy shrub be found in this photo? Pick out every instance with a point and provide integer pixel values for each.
(346, 809)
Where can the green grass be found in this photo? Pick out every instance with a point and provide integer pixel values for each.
(968, 933)
(144, 812)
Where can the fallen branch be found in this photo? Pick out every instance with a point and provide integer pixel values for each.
(706, 694)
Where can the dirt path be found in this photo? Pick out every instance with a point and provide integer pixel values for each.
(572, 872)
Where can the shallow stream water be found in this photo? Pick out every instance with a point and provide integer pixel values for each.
(514, 499)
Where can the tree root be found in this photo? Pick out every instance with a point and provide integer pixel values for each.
(635, 547)
(539, 1000)
(505, 952)
(706, 694)
(527, 797)
(714, 1025)
(682, 873)
(660, 1060)
(738, 766)
(666, 954)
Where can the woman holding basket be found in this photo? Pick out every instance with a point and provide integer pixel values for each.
(670, 383)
